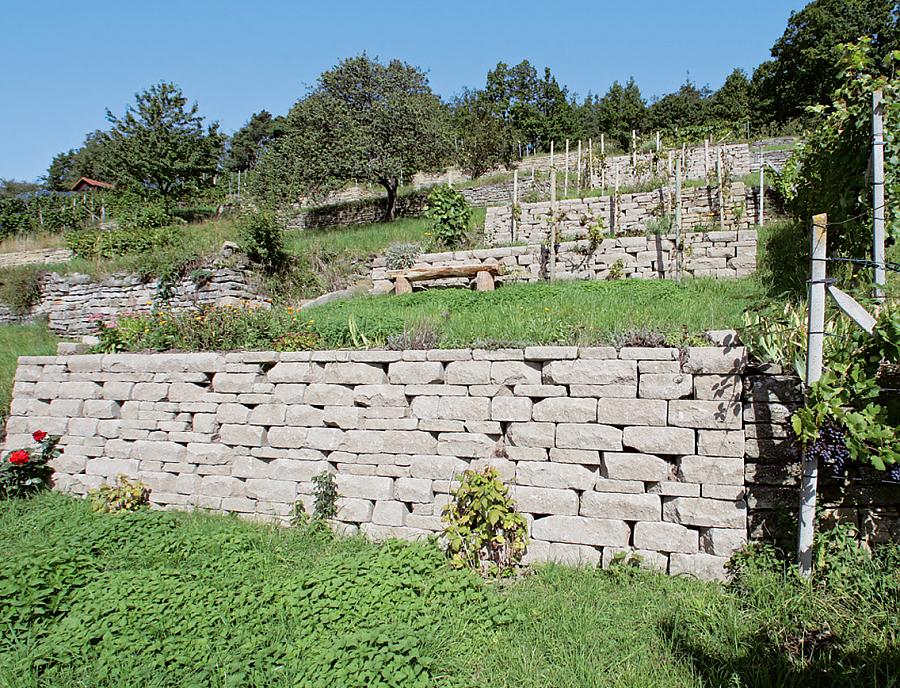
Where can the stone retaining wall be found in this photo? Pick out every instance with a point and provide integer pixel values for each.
(46, 256)
(610, 451)
(72, 304)
(721, 255)
(633, 213)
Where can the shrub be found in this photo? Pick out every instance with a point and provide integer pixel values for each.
(262, 238)
(121, 497)
(483, 531)
(24, 472)
(20, 288)
(402, 256)
(449, 211)
(111, 243)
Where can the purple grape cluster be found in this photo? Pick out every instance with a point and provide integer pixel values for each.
(893, 472)
(830, 448)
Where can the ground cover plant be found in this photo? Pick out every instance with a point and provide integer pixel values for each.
(193, 599)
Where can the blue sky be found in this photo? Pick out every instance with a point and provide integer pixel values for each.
(66, 63)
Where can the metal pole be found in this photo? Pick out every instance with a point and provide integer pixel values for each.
(553, 212)
(514, 232)
(566, 184)
(878, 170)
(762, 193)
(815, 342)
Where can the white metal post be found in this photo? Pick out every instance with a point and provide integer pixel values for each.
(679, 249)
(815, 339)
(878, 170)
(553, 213)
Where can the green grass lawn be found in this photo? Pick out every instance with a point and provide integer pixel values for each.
(174, 599)
(15, 341)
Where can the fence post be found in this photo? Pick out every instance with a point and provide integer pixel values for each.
(679, 248)
(553, 211)
(514, 229)
(566, 184)
(815, 342)
(878, 170)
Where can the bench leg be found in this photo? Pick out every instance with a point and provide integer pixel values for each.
(484, 281)
(402, 286)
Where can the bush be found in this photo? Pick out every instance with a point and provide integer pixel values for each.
(121, 497)
(113, 243)
(450, 213)
(194, 214)
(261, 236)
(25, 471)
(20, 288)
(402, 256)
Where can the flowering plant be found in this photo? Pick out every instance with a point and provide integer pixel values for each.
(25, 471)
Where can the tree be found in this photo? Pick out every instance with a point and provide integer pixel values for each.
(88, 161)
(250, 141)
(685, 108)
(364, 120)
(485, 142)
(805, 69)
(619, 111)
(731, 103)
(160, 147)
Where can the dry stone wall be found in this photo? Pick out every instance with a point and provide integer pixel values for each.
(631, 213)
(47, 256)
(609, 451)
(721, 255)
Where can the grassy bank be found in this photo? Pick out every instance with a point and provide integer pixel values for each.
(15, 341)
(174, 599)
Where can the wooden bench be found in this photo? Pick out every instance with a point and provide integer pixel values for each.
(484, 276)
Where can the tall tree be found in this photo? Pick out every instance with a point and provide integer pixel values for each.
(160, 147)
(250, 141)
(364, 120)
(621, 110)
(685, 108)
(485, 142)
(732, 102)
(88, 161)
(805, 68)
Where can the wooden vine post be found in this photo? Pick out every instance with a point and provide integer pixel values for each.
(679, 239)
(554, 207)
(815, 344)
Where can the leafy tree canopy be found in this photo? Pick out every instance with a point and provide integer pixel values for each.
(10, 188)
(88, 161)
(364, 120)
(160, 148)
(484, 141)
(732, 102)
(687, 107)
(617, 113)
(251, 140)
(805, 69)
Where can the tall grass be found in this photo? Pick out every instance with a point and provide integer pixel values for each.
(15, 341)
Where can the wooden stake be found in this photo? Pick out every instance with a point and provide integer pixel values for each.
(514, 227)
(721, 193)
(814, 346)
(580, 168)
(553, 212)
(762, 193)
(566, 184)
(679, 249)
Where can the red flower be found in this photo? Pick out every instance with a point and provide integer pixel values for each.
(18, 458)
(39, 436)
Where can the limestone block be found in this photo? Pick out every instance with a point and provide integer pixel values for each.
(324, 439)
(707, 360)
(710, 415)
(505, 468)
(555, 475)
(413, 490)
(707, 469)
(243, 435)
(109, 468)
(81, 427)
(468, 373)
(288, 393)
(539, 391)
(464, 408)
(76, 390)
(232, 413)
(379, 533)
(718, 387)
(483, 427)
(250, 467)
(268, 414)
(710, 513)
(565, 554)
(268, 490)
(380, 395)
(655, 440)
(511, 409)
(415, 373)
(550, 353)
(632, 411)
(147, 450)
(409, 442)
(590, 372)
(621, 506)
(525, 453)
(531, 434)
(448, 355)
(365, 487)
(647, 354)
(328, 394)
(426, 407)
(437, 467)
(285, 436)
(585, 457)
(498, 355)
(666, 537)
(581, 530)
(344, 417)
(302, 415)
(436, 390)
(668, 386)
(562, 410)
(703, 566)
(722, 542)
(630, 466)
(363, 441)
(587, 436)
(376, 356)
(465, 444)
(435, 425)
(515, 373)
(195, 453)
(720, 443)
(296, 372)
(348, 373)
(658, 367)
(390, 513)
(65, 408)
(604, 391)
(230, 383)
(672, 488)
(354, 510)
(300, 467)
